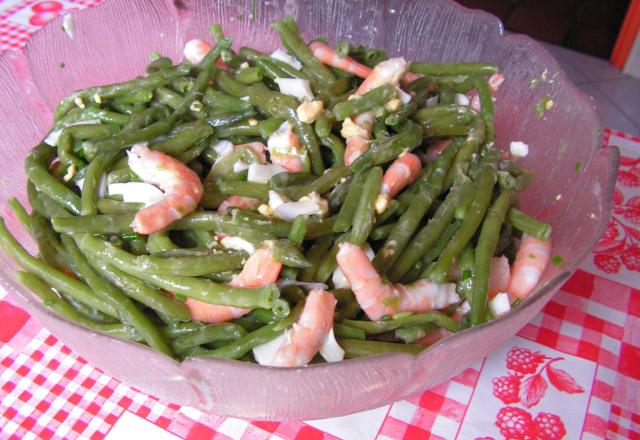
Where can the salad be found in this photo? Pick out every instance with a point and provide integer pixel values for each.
(302, 206)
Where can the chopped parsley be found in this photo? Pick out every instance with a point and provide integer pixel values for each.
(578, 166)
(62, 65)
(557, 260)
(543, 105)
(181, 297)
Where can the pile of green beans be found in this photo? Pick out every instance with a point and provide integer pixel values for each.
(94, 270)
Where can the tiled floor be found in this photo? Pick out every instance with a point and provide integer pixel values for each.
(616, 94)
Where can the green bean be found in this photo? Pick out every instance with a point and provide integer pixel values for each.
(110, 206)
(249, 75)
(285, 179)
(91, 183)
(355, 348)
(376, 327)
(158, 64)
(344, 331)
(269, 126)
(364, 215)
(486, 104)
(444, 120)
(218, 186)
(175, 329)
(242, 346)
(347, 307)
(382, 232)
(285, 252)
(443, 69)
(322, 125)
(221, 119)
(51, 250)
(296, 45)
(51, 276)
(430, 233)
(191, 266)
(189, 134)
(336, 145)
(134, 97)
(95, 224)
(410, 219)
(59, 306)
(487, 243)
(434, 253)
(260, 223)
(319, 227)
(309, 140)
(208, 334)
(21, 213)
(106, 116)
(36, 169)
(314, 256)
(466, 264)
(320, 185)
(298, 230)
(392, 208)
(168, 97)
(529, 225)
(88, 312)
(409, 335)
(269, 68)
(485, 182)
(242, 128)
(35, 200)
(218, 100)
(196, 288)
(338, 194)
(373, 98)
(348, 208)
(137, 245)
(388, 149)
(474, 139)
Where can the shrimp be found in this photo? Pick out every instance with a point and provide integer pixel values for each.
(402, 172)
(328, 55)
(303, 340)
(495, 81)
(531, 260)
(284, 148)
(182, 188)
(378, 299)
(238, 202)
(436, 148)
(387, 72)
(357, 132)
(258, 148)
(259, 270)
(195, 50)
(499, 276)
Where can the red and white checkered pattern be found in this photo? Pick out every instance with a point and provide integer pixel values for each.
(50, 393)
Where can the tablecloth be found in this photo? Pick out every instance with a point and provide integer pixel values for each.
(574, 370)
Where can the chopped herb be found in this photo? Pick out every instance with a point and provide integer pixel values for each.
(578, 166)
(466, 274)
(516, 303)
(253, 10)
(62, 65)
(557, 260)
(180, 297)
(240, 16)
(562, 147)
(544, 104)
(535, 82)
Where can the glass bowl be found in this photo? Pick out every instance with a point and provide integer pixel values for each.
(112, 43)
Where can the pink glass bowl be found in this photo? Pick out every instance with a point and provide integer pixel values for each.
(112, 43)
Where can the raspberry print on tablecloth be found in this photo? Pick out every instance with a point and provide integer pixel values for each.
(620, 244)
(529, 376)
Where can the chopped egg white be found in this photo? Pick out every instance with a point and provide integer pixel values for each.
(309, 111)
(462, 99)
(136, 192)
(393, 105)
(281, 55)
(245, 98)
(312, 204)
(264, 353)
(238, 244)
(296, 87)
(67, 25)
(432, 101)
(280, 141)
(338, 278)
(222, 149)
(239, 166)
(519, 149)
(404, 97)
(53, 136)
(500, 304)
(330, 350)
(262, 173)
(381, 203)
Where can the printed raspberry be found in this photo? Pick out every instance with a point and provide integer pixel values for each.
(515, 423)
(635, 171)
(627, 179)
(611, 233)
(549, 427)
(632, 214)
(634, 202)
(523, 361)
(618, 197)
(607, 263)
(631, 257)
(507, 388)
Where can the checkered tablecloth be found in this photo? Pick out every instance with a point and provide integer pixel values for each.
(573, 370)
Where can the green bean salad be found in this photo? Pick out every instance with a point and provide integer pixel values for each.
(302, 206)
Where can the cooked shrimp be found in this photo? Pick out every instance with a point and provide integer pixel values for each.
(182, 188)
(357, 132)
(303, 340)
(531, 260)
(436, 148)
(402, 172)
(409, 77)
(499, 276)
(328, 55)
(238, 202)
(284, 148)
(495, 81)
(195, 50)
(259, 270)
(258, 148)
(387, 72)
(378, 299)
